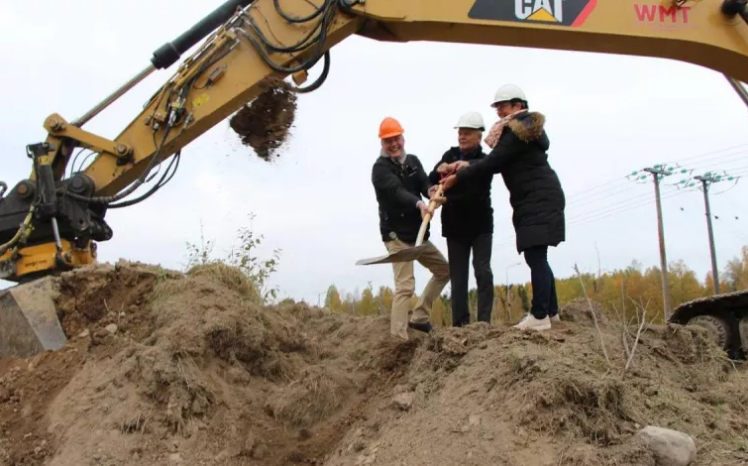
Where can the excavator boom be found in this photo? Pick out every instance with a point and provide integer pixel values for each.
(51, 222)
(696, 32)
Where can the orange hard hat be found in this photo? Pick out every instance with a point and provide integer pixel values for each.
(389, 128)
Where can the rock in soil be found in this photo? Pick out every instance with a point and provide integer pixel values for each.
(671, 448)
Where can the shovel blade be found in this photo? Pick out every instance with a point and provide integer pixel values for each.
(403, 255)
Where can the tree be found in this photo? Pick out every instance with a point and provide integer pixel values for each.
(618, 292)
(684, 286)
(736, 272)
(525, 300)
(384, 300)
(366, 305)
(257, 270)
(332, 299)
(243, 257)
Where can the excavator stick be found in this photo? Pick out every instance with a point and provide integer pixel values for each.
(28, 319)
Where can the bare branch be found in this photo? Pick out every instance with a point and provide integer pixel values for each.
(643, 321)
(622, 320)
(594, 317)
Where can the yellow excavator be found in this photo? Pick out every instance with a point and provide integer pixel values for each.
(52, 222)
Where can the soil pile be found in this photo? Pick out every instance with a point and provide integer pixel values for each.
(493, 395)
(188, 369)
(165, 368)
(264, 123)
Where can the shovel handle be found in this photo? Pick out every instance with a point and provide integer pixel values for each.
(427, 217)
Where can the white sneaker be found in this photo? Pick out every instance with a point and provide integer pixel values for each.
(556, 318)
(531, 323)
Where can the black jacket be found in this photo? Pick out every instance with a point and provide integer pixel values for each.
(398, 188)
(535, 191)
(468, 212)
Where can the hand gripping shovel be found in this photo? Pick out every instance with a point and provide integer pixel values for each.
(412, 253)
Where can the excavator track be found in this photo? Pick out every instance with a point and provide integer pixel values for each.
(28, 319)
(725, 318)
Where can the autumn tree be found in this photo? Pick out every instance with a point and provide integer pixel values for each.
(619, 292)
(366, 304)
(736, 272)
(384, 300)
(332, 299)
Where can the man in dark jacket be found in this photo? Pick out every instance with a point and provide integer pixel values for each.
(519, 144)
(399, 182)
(467, 223)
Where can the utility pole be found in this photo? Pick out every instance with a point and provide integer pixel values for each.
(658, 172)
(706, 180)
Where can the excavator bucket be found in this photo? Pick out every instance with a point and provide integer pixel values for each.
(28, 319)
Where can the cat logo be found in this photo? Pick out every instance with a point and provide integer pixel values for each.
(571, 13)
(539, 10)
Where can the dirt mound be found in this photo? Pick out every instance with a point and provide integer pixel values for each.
(264, 123)
(578, 310)
(164, 367)
(494, 395)
(189, 369)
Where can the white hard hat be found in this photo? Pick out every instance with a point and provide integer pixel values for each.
(508, 92)
(471, 120)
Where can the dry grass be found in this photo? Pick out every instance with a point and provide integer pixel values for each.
(558, 398)
(315, 396)
(231, 277)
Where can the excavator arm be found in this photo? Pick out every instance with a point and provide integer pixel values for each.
(51, 222)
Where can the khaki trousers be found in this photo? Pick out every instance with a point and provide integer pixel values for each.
(405, 284)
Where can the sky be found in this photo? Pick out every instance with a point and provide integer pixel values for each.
(607, 116)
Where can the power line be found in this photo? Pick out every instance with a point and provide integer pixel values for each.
(694, 157)
(617, 185)
(598, 214)
(614, 187)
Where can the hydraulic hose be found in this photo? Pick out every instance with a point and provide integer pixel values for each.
(22, 231)
(169, 53)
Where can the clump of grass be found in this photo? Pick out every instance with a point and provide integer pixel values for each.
(230, 276)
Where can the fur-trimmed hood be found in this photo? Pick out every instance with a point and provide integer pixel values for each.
(529, 126)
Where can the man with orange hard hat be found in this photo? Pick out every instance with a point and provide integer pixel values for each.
(400, 182)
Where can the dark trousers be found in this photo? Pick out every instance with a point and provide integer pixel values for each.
(458, 251)
(544, 301)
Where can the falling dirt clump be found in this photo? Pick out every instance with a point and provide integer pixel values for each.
(264, 123)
